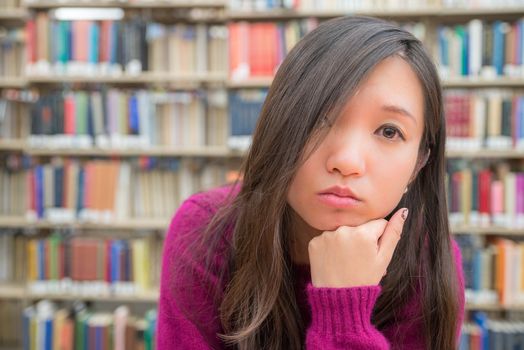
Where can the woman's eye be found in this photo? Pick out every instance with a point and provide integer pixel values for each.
(389, 132)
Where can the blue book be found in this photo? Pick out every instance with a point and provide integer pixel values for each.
(443, 46)
(98, 338)
(27, 315)
(115, 28)
(41, 259)
(477, 269)
(81, 189)
(94, 42)
(58, 186)
(39, 190)
(116, 251)
(481, 319)
(90, 121)
(48, 334)
(62, 41)
(54, 44)
(498, 47)
(134, 126)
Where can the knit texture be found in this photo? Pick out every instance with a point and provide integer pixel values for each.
(335, 318)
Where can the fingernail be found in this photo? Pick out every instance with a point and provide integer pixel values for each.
(404, 214)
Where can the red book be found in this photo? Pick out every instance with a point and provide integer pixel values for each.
(30, 35)
(263, 53)
(107, 276)
(31, 194)
(484, 191)
(238, 48)
(105, 30)
(69, 115)
(66, 335)
(76, 272)
(81, 40)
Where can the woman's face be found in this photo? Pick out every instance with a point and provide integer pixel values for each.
(369, 152)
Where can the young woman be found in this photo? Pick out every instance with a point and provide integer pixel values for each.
(315, 248)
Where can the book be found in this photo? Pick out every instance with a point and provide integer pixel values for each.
(11, 52)
(483, 119)
(480, 48)
(64, 264)
(128, 119)
(49, 326)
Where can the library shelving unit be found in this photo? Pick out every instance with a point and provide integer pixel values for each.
(214, 13)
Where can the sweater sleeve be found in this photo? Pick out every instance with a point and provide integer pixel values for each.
(341, 318)
(187, 318)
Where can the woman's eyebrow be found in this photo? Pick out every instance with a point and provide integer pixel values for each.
(399, 110)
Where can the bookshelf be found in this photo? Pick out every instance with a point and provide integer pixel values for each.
(213, 77)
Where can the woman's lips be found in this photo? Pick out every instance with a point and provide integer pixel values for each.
(336, 201)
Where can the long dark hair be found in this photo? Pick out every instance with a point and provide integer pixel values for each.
(258, 308)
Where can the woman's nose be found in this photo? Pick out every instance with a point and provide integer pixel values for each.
(347, 156)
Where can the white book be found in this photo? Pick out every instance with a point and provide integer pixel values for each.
(475, 47)
(201, 48)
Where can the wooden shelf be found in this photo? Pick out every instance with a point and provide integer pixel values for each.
(482, 83)
(215, 152)
(143, 78)
(184, 80)
(446, 83)
(494, 307)
(126, 4)
(158, 151)
(437, 12)
(8, 291)
(486, 153)
(12, 82)
(204, 151)
(12, 145)
(130, 224)
(250, 83)
(13, 14)
(162, 224)
(487, 230)
(11, 291)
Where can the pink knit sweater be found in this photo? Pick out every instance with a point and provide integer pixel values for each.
(335, 318)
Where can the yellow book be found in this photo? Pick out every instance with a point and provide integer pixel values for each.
(31, 260)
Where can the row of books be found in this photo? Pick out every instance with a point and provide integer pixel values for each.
(70, 189)
(121, 119)
(481, 48)
(183, 48)
(482, 195)
(484, 119)
(47, 326)
(11, 52)
(244, 109)
(485, 333)
(355, 5)
(134, 45)
(257, 49)
(65, 264)
(493, 269)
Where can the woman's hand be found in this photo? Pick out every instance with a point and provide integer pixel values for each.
(355, 256)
